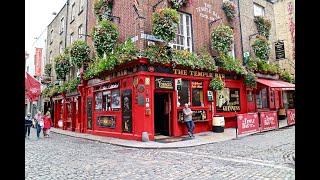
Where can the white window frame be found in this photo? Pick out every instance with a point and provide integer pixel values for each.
(258, 10)
(71, 37)
(50, 57)
(183, 19)
(51, 34)
(81, 5)
(60, 47)
(73, 11)
(232, 51)
(61, 24)
(80, 31)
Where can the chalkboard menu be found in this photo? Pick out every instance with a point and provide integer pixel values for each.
(126, 103)
(279, 49)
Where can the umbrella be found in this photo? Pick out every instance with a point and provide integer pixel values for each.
(32, 87)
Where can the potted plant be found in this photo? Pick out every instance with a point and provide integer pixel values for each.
(216, 84)
(103, 9)
(79, 52)
(176, 4)
(261, 48)
(104, 35)
(164, 24)
(222, 38)
(230, 9)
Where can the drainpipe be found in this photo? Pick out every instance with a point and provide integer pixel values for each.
(65, 37)
(241, 44)
(85, 37)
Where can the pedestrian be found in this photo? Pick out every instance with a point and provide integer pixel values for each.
(39, 123)
(188, 119)
(47, 124)
(27, 124)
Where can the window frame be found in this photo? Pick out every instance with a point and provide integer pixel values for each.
(80, 33)
(60, 47)
(71, 37)
(255, 9)
(73, 12)
(62, 24)
(184, 34)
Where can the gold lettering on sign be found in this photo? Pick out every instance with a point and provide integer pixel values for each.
(196, 84)
(164, 84)
(192, 73)
(231, 108)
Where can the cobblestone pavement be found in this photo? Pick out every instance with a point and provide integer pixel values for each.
(267, 155)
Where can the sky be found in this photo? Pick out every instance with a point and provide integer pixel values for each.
(38, 15)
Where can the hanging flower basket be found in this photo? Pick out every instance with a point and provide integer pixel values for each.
(263, 26)
(47, 69)
(176, 4)
(216, 84)
(79, 52)
(103, 9)
(62, 65)
(230, 9)
(261, 48)
(164, 24)
(250, 80)
(222, 38)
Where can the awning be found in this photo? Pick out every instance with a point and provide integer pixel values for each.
(32, 87)
(277, 85)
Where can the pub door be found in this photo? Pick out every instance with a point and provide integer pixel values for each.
(162, 113)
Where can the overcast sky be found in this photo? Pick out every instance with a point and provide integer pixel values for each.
(38, 14)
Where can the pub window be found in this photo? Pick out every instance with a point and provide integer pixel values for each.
(262, 98)
(108, 100)
(197, 93)
(184, 93)
(250, 96)
(98, 106)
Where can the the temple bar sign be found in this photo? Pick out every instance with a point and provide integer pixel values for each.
(163, 83)
(279, 49)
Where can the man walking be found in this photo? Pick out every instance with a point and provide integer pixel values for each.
(27, 124)
(188, 119)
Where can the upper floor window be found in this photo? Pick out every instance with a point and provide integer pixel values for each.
(71, 37)
(60, 47)
(73, 11)
(80, 31)
(183, 40)
(50, 57)
(81, 5)
(61, 24)
(258, 10)
(51, 36)
(232, 51)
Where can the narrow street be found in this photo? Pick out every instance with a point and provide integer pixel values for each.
(268, 155)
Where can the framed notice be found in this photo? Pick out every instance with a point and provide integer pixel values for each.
(106, 121)
(279, 49)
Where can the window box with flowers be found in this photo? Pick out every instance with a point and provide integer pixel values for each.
(103, 9)
(263, 26)
(104, 35)
(230, 9)
(164, 24)
(176, 4)
(79, 52)
(222, 38)
(47, 69)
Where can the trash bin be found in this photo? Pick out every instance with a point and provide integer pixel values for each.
(281, 113)
(218, 124)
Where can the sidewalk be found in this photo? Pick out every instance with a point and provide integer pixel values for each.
(200, 138)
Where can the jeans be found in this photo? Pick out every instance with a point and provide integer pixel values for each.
(38, 127)
(190, 126)
(27, 129)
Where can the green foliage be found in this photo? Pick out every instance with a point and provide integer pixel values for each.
(79, 52)
(230, 9)
(216, 84)
(127, 51)
(62, 65)
(261, 48)
(252, 65)
(103, 9)
(45, 92)
(286, 76)
(104, 35)
(164, 24)
(69, 85)
(267, 68)
(231, 64)
(263, 26)
(250, 79)
(47, 69)
(176, 4)
(158, 54)
(53, 91)
(222, 38)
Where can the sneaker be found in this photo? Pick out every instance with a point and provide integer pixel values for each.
(190, 135)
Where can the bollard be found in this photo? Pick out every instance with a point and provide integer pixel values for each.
(145, 137)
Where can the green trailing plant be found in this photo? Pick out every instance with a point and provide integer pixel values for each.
(250, 80)
(286, 76)
(158, 54)
(263, 26)
(73, 84)
(103, 9)
(104, 35)
(62, 65)
(164, 24)
(261, 48)
(216, 84)
(176, 4)
(230, 9)
(252, 65)
(53, 91)
(79, 52)
(231, 64)
(47, 69)
(127, 51)
(45, 92)
(267, 68)
(63, 88)
(222, 38)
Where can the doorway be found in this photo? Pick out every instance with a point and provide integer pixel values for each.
(162, 113)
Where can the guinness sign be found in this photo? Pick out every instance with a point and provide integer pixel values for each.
(163, 83)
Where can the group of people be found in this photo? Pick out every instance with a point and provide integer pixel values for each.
(40, 122)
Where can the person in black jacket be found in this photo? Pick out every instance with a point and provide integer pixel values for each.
(28, 124)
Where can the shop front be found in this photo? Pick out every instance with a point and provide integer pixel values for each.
(73, 112)
(141, 97)
(58, 110)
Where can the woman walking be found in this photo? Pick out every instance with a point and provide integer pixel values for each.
(47, 124)
(39, 123)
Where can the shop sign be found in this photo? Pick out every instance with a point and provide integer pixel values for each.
(279, 49)
(228, 100)
(247, 123)
(106, 121)
(196, 84)
(107, 86)
(268, 120)
(291, 116)
(57, 97)
(163, 83)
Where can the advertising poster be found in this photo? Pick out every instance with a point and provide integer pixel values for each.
(228, 100)
(268, 120)
(291, 116)
(106, 121)
(126, 104)
(247, 123)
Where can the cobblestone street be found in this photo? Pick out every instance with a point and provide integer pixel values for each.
(268, 155)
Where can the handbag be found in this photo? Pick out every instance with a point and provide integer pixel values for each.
(41, 124)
